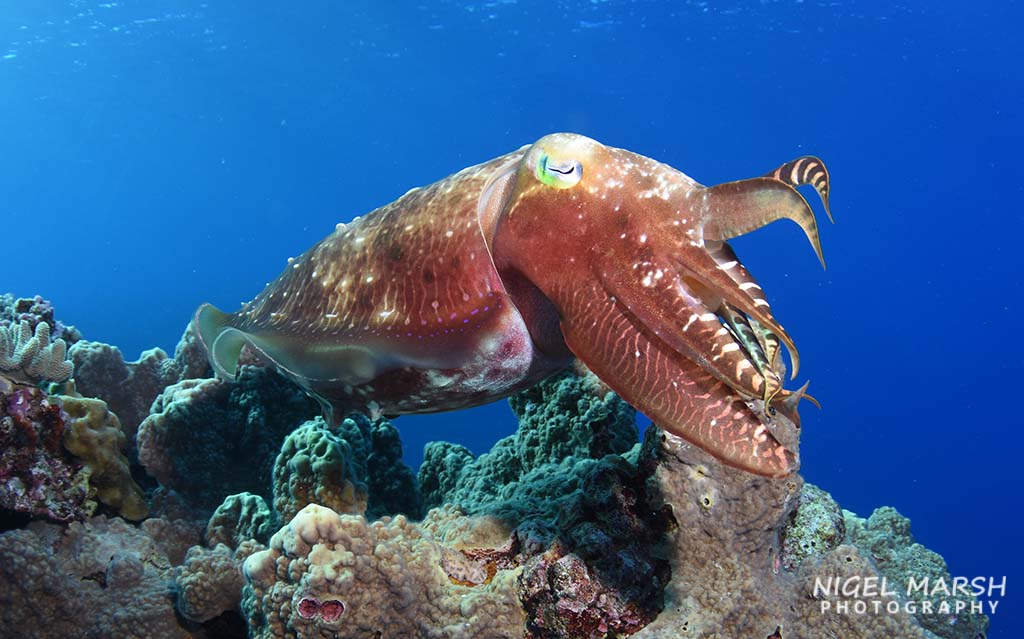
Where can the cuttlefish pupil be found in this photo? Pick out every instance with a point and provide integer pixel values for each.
(477, 286)
(561, 174)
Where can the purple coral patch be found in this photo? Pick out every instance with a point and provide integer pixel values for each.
(331, 610)
(309, 608)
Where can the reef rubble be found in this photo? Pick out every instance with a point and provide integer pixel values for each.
(227, 509)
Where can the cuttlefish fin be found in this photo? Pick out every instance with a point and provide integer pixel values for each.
(223, 342)
(737, 208)
(304, 361)
(671, 389)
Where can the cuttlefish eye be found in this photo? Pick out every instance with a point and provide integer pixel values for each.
(560, 174)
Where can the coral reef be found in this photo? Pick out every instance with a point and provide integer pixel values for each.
(207, 438)
(885, 537)
(392, 484)
(100, 578)
(129, 388)
(315, 467)
(816, 526)
(568, 529)
(598, 576)
(325, 574)
(565, 423)
(210, 583)
(354, 468)
(37, 475)
(727, 579)
(59, 453)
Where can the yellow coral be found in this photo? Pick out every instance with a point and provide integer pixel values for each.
(93, 434)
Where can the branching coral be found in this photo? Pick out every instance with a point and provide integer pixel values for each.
(31, 357)
(35, 310)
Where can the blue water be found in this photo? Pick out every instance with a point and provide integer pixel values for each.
(156, 155)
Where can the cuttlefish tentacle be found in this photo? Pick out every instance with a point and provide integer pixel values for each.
(736, 208)
(671, 388)
(753, 341)
(681, 315)
(806, 170)
(727, 280)
(768, 341)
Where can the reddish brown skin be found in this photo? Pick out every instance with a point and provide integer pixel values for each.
(481, 284)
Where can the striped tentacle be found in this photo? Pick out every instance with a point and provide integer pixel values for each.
(806, 170)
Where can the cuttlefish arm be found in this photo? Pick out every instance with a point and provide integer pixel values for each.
(632, 255)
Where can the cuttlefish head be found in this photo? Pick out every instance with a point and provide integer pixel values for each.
(632, 256)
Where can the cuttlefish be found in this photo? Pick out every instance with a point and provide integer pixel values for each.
(477, 286)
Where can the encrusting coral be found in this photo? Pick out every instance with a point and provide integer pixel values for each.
(326, 574)
(100, 578)
(885, 537)
(816, 526)
(210, 582)
(38, 477)
(565, 423)
(59, 453)
(239, 518)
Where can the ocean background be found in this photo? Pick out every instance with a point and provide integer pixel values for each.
(157, 155)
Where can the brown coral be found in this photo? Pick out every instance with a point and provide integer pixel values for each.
(387, 576)
(101, 578)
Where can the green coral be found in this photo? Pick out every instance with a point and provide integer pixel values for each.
(239, 518)
(31, 357)
(814, 528)
(885, 536)
(210, 438)
(315, 467)
(339, 467)
(566, 423)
